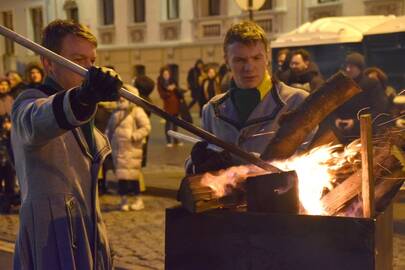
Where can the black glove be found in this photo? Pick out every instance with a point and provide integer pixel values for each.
(205, 159)
(100, 84)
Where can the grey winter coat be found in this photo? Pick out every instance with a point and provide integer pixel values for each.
(60, 218)
(221, 118)
(127, 139)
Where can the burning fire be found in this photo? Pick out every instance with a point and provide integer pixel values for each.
(317, 170)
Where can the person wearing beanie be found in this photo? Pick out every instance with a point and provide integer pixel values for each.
(371, 100)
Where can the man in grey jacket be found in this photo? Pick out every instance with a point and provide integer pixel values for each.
(248, 114)
(58, 153)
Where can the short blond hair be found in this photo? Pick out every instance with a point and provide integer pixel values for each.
(245, 32)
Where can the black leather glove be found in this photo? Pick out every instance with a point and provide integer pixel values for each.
(205, 159)
(100, 84)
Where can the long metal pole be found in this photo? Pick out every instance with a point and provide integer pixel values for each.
(23, 41)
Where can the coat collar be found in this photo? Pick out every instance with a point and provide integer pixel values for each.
(225, 109)
(50, 86)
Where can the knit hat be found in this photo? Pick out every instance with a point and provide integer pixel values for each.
(356, 59)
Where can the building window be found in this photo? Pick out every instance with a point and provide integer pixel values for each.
(108, 12)
(72, 11)
(7, 21)
(214, 7)
(139, 11)
(172, 9)
(37, 23)
(268, 4)
(73, 14)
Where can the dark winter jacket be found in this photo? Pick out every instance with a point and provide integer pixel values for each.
(193, 80)
(371, 100)
(171, 100)
(309, 80)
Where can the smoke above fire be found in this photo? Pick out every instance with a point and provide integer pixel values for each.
(318, 170)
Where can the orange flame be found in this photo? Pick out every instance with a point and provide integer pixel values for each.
(317, 170)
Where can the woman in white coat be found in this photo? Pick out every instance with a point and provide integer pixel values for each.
(127, 129)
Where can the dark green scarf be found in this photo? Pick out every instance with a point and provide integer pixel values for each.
(245, 101)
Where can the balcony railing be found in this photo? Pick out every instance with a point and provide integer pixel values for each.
(214, 27)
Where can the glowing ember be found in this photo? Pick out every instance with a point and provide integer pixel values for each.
(317, 170)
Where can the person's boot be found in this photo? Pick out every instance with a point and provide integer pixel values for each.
(124, 204)
(137, 204)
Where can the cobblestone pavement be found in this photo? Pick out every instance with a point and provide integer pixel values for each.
(137, 237)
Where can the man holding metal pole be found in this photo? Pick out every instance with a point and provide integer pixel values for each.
(58, 153)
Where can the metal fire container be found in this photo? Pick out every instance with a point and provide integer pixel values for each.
(224, 239)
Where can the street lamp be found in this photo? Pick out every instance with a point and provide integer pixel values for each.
(250, 6)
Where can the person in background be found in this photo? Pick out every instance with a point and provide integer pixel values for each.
(167, 89)
(194, 84)
(58, 153)
(377, 74)
(7, 173)
(371, 100)
(210, 85)
(283, 64)
(34, 75)
(16, 83)
(145, 86)
(303, 72)
(127, 129)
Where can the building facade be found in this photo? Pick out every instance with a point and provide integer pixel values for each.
(139, 36)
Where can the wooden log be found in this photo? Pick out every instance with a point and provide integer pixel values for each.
(297, 125)
(196, 198)
(367, 166)
(384, 164)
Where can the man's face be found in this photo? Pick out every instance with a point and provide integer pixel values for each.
(4, 87)
(78, 50)
(248, 63)
(281, 59)
(352, 71)
(211, 73)
(14, 79)
(297, 63)
(35, 76)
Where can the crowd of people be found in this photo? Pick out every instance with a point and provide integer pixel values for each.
(297, 69)
(11, 85)
(61, 160)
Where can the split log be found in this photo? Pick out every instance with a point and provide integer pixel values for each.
(384, 164)
(196, 197)
(297, 125)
